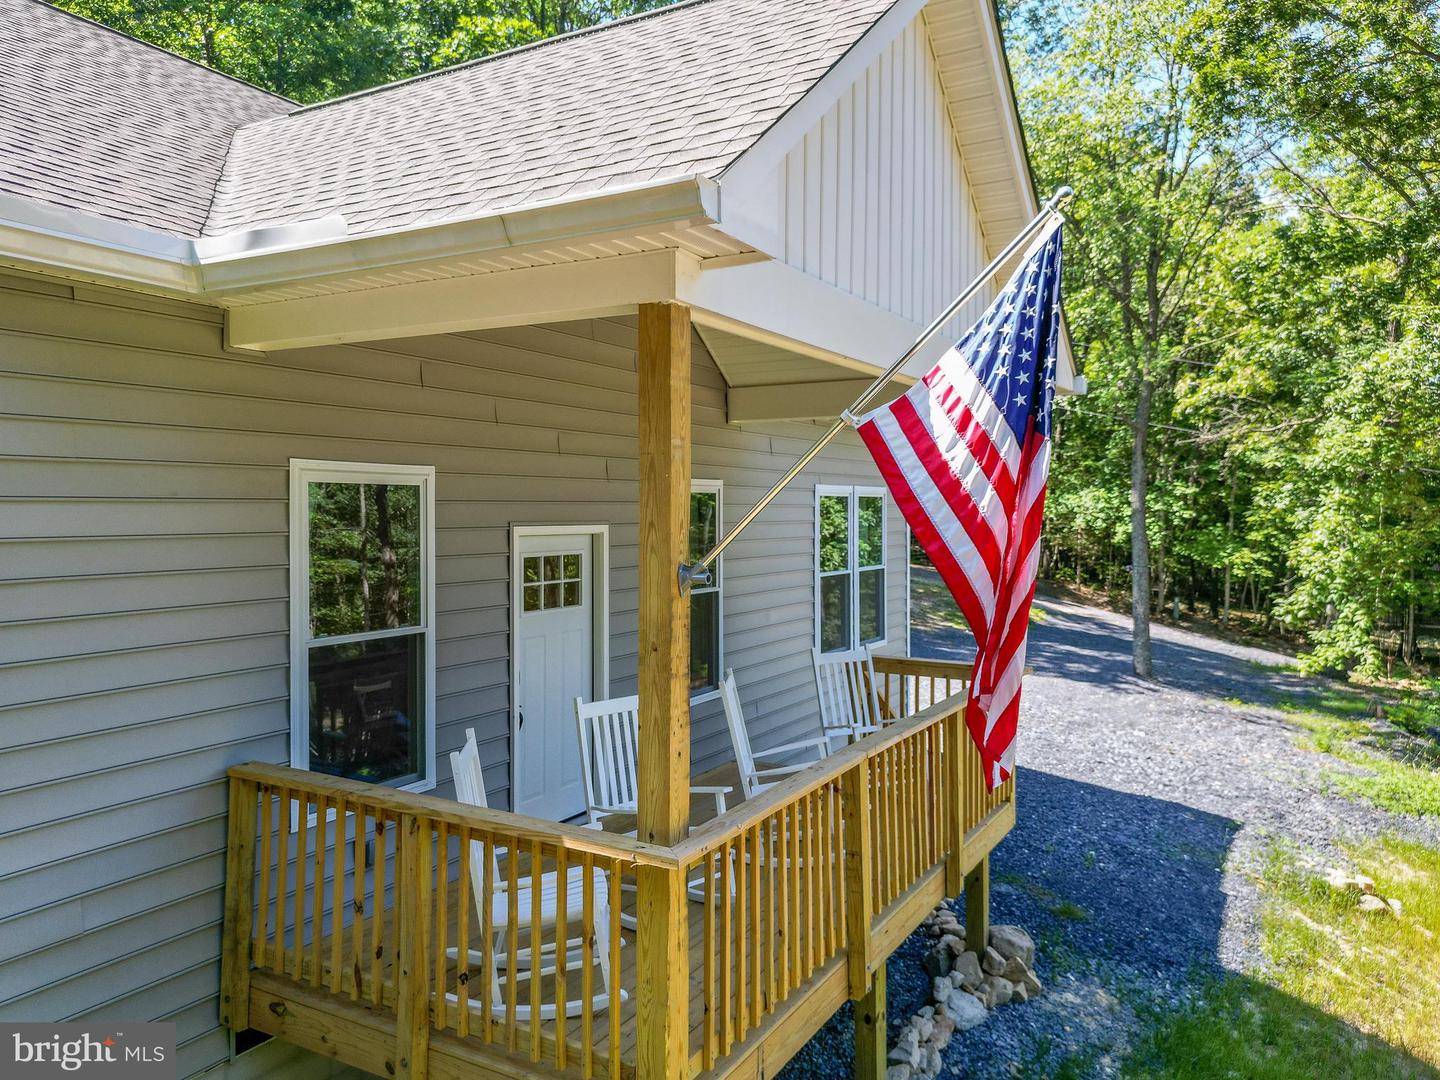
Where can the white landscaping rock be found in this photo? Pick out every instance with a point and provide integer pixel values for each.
(1033, 986)
(898, 1072)
(963, 1010)
(1011, 941)
(997, 990)
(1371, 903)
(1015, 969)
(967, 967)
(992, 962)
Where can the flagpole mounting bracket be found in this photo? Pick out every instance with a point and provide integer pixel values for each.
(692, 574)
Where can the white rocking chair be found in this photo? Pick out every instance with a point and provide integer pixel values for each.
(755, 773)
(849, 702)
(609, 754)
(470, 789)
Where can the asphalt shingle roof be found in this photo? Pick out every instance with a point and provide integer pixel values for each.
(680, 91)
(97, 121)
(100, 122)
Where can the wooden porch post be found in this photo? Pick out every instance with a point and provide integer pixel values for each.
(662, 978)
(239, 891)
(871, 1053)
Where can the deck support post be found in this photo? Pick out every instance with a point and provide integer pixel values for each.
(412, 987)
(663, 802)
(977, 907)
(871, 1053)
(239, 886)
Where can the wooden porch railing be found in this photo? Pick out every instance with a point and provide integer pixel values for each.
(352, 927)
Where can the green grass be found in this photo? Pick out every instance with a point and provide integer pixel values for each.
(1396, 786)
(1398, 771)
(1346, 995)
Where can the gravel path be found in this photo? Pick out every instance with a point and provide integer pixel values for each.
(1143, 807)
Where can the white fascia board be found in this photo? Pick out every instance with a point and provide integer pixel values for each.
(37, 236)
(232, 264)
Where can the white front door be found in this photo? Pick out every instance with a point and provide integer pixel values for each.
(554, 664)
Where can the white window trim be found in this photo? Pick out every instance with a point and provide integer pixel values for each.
(718, 487)
(304, 472)
(852, 495)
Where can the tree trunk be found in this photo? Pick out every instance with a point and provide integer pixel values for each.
(1139, 538)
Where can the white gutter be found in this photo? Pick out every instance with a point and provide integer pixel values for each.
(35, 235)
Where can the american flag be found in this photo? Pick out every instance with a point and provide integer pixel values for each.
(966, 453)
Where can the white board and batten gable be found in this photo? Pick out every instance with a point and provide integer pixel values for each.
(879, 197)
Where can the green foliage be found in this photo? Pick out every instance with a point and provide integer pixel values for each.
(1274, 165)
(317, 49)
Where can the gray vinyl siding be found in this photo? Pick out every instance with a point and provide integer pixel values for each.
(143, 595)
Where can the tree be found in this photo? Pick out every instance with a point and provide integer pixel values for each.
(1110, 112)
(318, 49)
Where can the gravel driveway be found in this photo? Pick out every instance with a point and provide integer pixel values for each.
(1142, 805)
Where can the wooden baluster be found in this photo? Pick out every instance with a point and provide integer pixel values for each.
(773, 938)
(829, 844)
(756, 979)
(795, 900)
(282, 873)
(489, 981)
(317, 899)
(301, 863)
(708, 1040)
(512, 942)
(462, 944)
(812, 880)
(562, 952)
(442, 922)
(727, 899)
(357, 906)
(782, 867)
(587, 965)
(822, 870)
(741, 942)
(260, 947)
(337, 899)
(537, 871)
(377, 910)
(614, 1011)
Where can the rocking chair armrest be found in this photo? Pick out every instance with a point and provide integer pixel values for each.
(803, 744)
(783, 770)
(612, 811)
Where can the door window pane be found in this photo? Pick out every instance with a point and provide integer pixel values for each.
(366, 708)
(835, 612)
(872, 605)
(834, 533)
(365, 558)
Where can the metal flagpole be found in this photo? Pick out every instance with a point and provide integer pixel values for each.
(698, 573)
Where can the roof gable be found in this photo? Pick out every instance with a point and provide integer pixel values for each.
(100, 122)
(677, 92)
